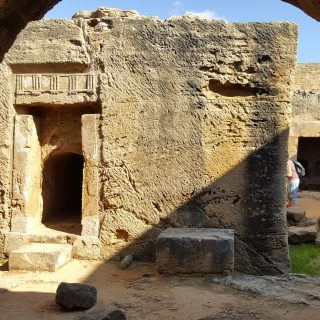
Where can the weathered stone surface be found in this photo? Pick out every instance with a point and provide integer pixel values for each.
(187, 109)
(97, 313)
(40, 257)
(295, 214)
(87, 248)
(298, 235)
(15, 14)
(15, 240)
(26, 199)
(305, 123)
(90, 194)
(294, 289)
(67, 47)
(307, 221)
(195, 250)
(6, 129)
(76, 296)
(126, 262)
(110, 13)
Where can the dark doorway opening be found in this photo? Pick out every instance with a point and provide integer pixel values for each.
(309, 156)
(62, 192)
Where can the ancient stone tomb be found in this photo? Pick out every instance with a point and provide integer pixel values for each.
(116, 126)
(304, 135)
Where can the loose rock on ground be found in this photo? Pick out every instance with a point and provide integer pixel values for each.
(76, 296)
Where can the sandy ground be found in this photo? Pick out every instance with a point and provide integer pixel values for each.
(310, 201)
(144, 294)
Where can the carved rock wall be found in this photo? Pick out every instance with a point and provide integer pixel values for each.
(305, 121)
(306, 96)
(193, 121)
(193, 130)
(6, 128)
(15, 14)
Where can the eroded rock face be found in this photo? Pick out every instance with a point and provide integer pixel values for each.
(189, 127)
(305, 123)
(15, 14)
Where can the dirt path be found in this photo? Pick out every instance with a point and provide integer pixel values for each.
(143, 294)
(310, 201)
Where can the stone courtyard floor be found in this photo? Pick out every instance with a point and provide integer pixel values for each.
(144, 294)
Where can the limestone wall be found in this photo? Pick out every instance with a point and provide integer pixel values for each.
(305, 121)
(307, 76)
(15, 14)
(6, 129)
(193, 129)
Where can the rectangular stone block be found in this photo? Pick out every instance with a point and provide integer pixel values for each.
(40, 257)
(90, 191)
(195, 250)
(26, 184)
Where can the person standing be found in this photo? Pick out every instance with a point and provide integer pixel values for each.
(293, 183)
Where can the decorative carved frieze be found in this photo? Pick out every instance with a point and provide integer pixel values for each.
(55, 83)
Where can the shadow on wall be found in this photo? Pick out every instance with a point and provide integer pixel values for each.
(260, 227)
(261, 240)
(256, 211)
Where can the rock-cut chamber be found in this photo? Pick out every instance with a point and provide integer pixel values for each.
(62, 192)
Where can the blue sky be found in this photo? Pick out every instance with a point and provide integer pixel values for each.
(230, 10)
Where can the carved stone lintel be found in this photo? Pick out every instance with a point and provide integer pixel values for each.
(47, 83)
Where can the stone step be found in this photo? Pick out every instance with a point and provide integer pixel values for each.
(14, 240)
(40, 257)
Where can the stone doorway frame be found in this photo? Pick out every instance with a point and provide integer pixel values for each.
(27, 175)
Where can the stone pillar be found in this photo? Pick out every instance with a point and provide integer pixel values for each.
(26, 185)
(90, 191)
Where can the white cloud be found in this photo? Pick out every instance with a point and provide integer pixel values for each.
(205, 14)
(176, 9)
(177, 3)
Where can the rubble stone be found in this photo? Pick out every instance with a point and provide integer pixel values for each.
(126, 262)
(295, 214)
(298, 235)
(76, 296)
